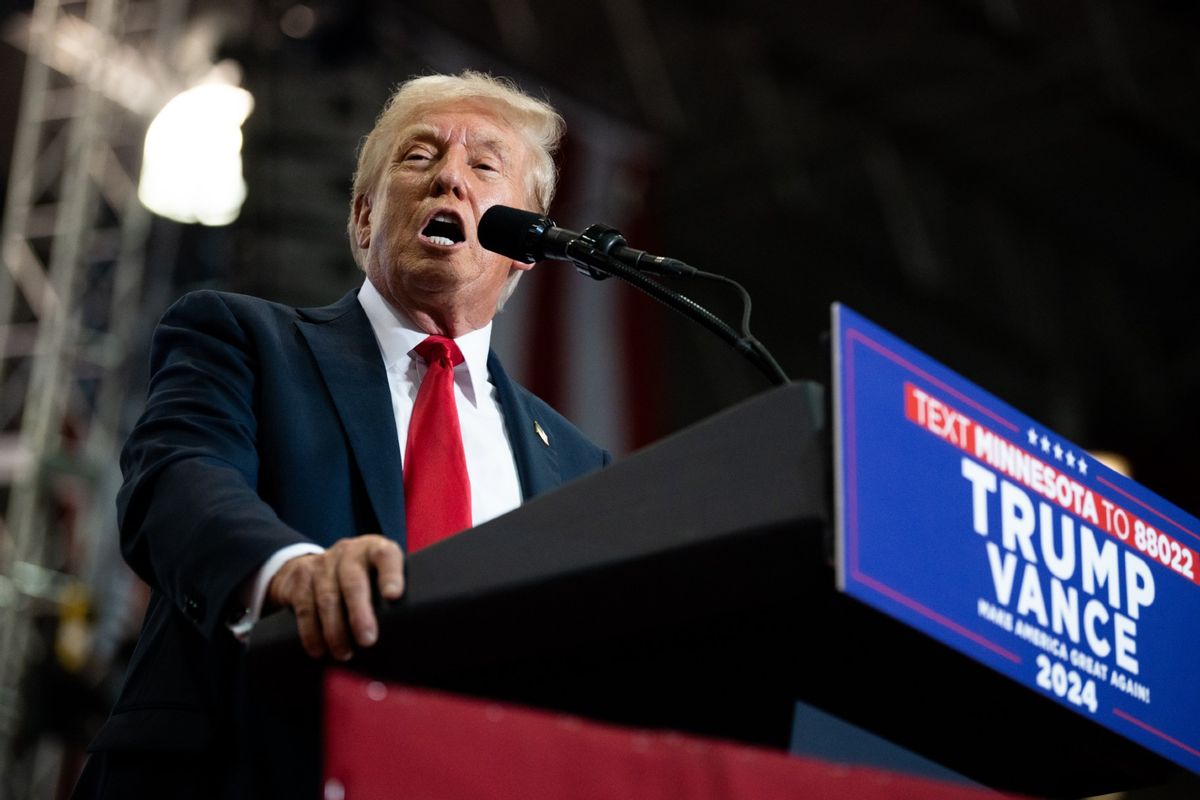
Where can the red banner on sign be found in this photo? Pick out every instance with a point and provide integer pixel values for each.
(389, 741)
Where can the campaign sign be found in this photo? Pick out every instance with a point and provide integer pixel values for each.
(986, 530)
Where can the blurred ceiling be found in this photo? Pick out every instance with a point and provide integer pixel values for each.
(1013, 186)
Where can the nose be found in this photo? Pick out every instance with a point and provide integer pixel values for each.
(451, 175)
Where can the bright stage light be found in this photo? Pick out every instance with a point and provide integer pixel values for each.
(192, 166)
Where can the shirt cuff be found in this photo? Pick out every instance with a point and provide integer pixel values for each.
(252, 612)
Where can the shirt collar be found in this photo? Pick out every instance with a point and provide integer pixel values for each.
(398, 335)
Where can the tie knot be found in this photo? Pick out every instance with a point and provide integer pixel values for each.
(439, 348)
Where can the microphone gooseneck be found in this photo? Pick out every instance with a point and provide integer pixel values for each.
(528, 236)
(601, 252)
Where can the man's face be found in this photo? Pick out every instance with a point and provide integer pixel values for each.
(419, 226)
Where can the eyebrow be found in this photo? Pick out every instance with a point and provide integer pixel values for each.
(417, 132)
(425, 132)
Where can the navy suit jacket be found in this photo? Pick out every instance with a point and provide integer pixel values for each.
(264, 426)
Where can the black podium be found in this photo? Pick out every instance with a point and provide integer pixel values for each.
(689, 586)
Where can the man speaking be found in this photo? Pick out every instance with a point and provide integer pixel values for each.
(289, 457)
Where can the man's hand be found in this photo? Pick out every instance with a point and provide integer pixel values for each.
(330, 593)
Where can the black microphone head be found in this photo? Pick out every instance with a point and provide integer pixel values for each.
(514, 233)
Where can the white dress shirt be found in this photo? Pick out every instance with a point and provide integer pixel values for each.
(491, 468)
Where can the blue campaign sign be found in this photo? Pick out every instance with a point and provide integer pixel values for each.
(988, 531)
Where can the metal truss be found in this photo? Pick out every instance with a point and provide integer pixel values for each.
(71, 288)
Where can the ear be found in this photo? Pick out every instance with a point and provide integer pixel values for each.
(362, 221)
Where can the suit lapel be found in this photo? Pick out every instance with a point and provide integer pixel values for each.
(344, 346)
(537, 460)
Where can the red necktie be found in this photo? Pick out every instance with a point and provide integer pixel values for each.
(437, 491)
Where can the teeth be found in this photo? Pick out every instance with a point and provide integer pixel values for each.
(444, 229)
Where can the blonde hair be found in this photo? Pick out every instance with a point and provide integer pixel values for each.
(534, 120)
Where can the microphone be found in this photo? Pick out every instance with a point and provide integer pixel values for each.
(528, 237)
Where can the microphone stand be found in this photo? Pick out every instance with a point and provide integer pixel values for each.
(590, 255)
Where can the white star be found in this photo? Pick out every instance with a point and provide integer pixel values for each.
(1058, 451)
(1045, 445)
(1082, 467)
(1070, 459)
(1032, 437)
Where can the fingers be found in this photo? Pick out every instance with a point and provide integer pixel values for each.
(354, 574)
(292, 587)
(327, 592)
(330, 593)
(389, 564)
(355, 581)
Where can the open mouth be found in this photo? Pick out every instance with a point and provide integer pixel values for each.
(444, 230)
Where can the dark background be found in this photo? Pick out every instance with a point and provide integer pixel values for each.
(1012, 186)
